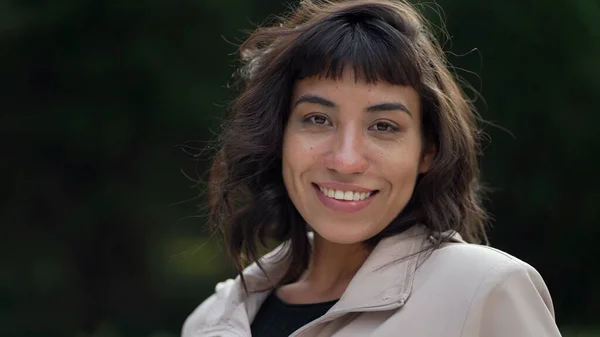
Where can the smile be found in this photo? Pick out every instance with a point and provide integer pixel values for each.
(345, 200)
(344, 195)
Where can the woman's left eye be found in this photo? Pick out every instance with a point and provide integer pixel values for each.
(384, 127)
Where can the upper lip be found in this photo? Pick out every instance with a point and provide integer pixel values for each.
(344, 187)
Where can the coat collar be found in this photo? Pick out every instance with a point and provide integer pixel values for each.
(383, 282)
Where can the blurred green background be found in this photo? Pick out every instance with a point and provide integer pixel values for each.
(108, 104)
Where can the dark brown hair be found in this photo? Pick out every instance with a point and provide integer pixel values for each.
(382, 40)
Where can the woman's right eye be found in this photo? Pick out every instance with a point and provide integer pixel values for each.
(318, 120)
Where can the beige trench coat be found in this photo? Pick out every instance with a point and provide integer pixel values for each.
(459, 290)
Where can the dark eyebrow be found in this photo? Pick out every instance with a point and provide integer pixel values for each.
(388, 107)
(374, 108)
(315, 100)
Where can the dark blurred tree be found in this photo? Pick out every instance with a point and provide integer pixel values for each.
(99, 98)
(96, 97)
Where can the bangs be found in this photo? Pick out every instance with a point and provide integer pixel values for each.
(373, 49)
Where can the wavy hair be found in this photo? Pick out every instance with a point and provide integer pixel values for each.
(382, 40)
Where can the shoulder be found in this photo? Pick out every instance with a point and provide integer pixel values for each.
(488, 289)
(503, 295)
(479, 273)
(222, 309)
(212, 310)
(474, 259)
(475, 270)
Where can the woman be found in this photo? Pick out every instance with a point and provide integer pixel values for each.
(349, 123)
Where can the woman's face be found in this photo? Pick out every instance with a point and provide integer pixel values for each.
(351, 155)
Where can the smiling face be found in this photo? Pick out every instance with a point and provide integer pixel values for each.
(352, 152)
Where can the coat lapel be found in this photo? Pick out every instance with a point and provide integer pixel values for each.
(384, 282)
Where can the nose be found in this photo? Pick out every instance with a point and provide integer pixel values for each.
(347, 153)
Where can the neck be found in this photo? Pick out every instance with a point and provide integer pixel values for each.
(333, 265)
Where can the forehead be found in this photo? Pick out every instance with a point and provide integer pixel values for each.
(349, 91)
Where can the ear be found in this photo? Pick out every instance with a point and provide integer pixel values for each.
(427, 157)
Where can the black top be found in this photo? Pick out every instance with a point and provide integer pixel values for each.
(275, 318)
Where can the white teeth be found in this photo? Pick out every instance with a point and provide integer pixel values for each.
(344, 195)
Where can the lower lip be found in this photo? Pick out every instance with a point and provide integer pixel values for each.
(346, 206)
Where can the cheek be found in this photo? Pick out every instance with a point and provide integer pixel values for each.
(295, 161)
(299, 153)
(399, 166)
(286, 156)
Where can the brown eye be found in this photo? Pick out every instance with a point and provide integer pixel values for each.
(318, 120)
(385, 127)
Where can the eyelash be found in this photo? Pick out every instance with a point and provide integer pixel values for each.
(390, 127)
(311, 119)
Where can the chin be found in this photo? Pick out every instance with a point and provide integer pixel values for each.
(344, 234)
